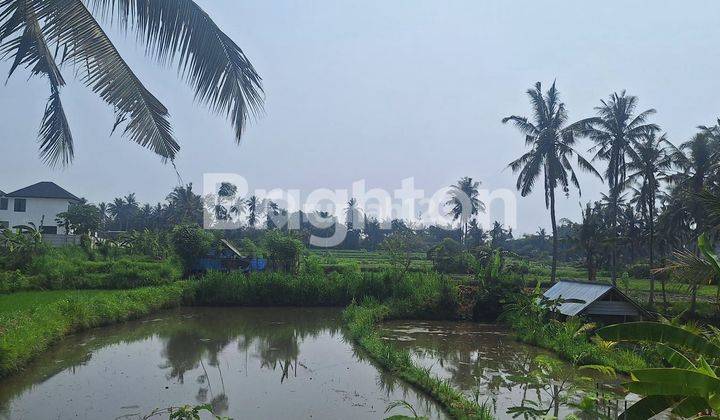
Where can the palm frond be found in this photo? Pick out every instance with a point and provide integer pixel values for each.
(30, 49)
(179, 30)
(70, 24)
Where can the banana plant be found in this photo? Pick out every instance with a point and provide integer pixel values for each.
(690, 384)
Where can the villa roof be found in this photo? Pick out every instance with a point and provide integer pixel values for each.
(583, 294)
(43, 190)
(1, 193)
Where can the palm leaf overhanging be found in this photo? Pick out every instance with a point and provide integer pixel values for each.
(173, 31)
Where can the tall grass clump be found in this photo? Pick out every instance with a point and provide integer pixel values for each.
(26, 333)
(413, 295)
(360, 321)
(73, 268)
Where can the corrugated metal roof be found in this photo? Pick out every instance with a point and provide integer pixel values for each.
(43, 190)
(231, 247)
(585, 292)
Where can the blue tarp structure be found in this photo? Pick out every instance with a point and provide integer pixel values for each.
(229, 258)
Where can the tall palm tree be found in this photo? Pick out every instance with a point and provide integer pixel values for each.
(649, 166)
(273, 210)
(698, 161)
(115, 210)
(464, 203)
(615, 131)
(352, 214)
(255, 208)
(104, 217)
(43, 36)
(588, 235)
(184, 205)
(551, 141)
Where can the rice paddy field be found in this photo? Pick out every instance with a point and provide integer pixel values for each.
(367, 260)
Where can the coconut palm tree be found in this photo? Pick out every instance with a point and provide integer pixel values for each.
(184, 205)
(698, 164)
(551, 141)
(649, 166)
(352, 214)
(45, 36)
(273, 210)
(615, 131)
(104, 217)
(588, 236)
(255, 207)
(464, 203)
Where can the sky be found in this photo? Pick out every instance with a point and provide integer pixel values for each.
(385, 90)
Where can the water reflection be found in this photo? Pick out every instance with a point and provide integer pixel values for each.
(514, 379)
(245, 362)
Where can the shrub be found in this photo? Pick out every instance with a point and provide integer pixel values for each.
(450, 257)
(191, 243)
(20, 248)
(283, 251)
(639, 271)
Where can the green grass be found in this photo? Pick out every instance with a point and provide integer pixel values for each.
(39, 319)
(72, 268)
(360, 321)
(367, 260)
(28, 300)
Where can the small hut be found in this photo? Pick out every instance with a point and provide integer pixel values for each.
(226, 257)
(598, 302)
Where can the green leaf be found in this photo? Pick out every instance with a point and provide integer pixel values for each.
(674, 357)
(670, 390)
(707, 250)
(181, 31)
(690, 406)
(648, 407)
(660, 333)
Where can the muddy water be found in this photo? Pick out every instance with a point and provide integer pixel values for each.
(245, 362)
(487, 364)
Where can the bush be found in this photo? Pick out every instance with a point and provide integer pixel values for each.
(450, 257)
(283, 251)
(491, 297)
(18, 249)
(639, 271)
(191, 243)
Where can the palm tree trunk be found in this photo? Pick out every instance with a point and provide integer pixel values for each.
(553, 272)
(651, 299)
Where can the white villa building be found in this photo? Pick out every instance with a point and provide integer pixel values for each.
(39, 203)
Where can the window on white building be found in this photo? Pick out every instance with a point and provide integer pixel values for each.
(3, 203)
(20, 205)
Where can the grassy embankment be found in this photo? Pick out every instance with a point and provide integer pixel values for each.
(361, 321)
(31, 321)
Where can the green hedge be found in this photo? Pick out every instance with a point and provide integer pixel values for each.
(26, 333)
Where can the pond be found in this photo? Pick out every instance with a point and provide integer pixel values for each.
(487, 364)
(245, 362)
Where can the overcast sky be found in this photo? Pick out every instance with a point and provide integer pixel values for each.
(385, 90)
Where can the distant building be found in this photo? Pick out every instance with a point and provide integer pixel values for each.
(595, 301)
(39, 204)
